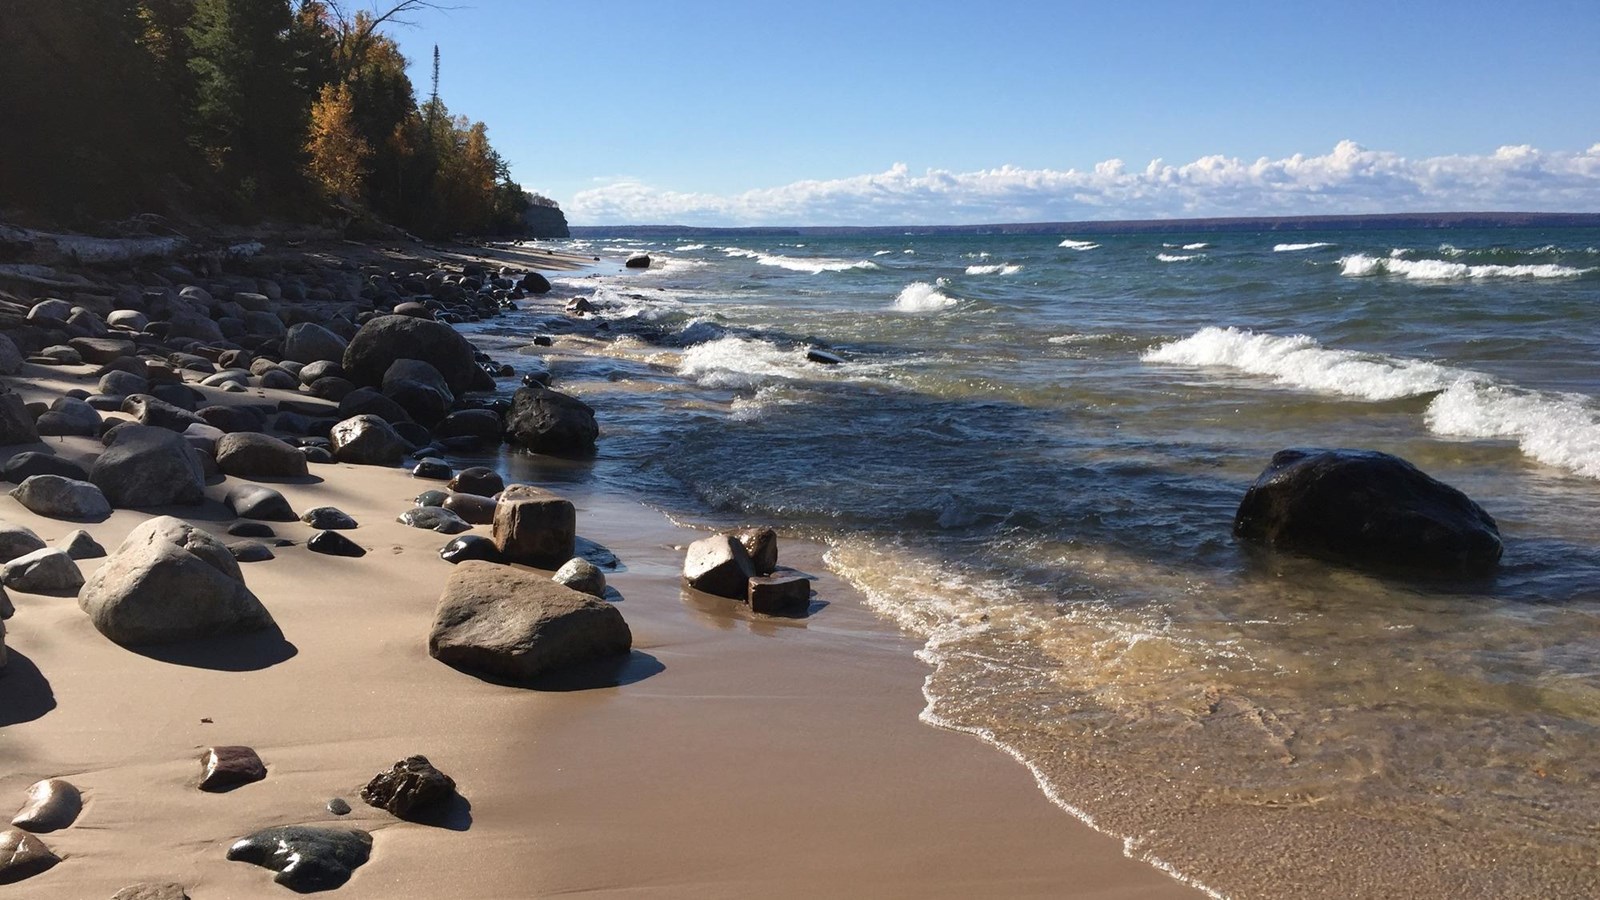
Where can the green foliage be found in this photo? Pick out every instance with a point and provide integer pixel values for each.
(237, 108)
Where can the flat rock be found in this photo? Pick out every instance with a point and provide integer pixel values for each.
(510, 623)
(252, 501)
(411, 786)
(479, 480)
(470, 546)
(23, 856)
(55, 497)
(328, 518)
(249, 454)
(334, 544)
(225, 768)
(719, 565)
(581, 575)
(535, 527)
(306, 858)
(45, 571)
(52, 804)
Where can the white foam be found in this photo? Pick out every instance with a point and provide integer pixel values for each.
(1290, 248)
(1556, 429)
(736, 362)
(1178, 257)
(1006, 269)
(1298, 361)
(882, 252)
(687, 247)
(920, 296)
(1071, 244)
(1086, 338)
(909, 252)
(1360, 265)
(1202, 245)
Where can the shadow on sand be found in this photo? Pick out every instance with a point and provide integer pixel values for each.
(228, 653)
(25, 693)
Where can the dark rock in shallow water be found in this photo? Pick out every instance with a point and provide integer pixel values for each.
(327, 518)
(225, 768)
(335, 544)
(52, 804)
(547, 421)
(510, 623)
(1369, 509)
(638, 261)
(23, 856)
(306, 858)
(411, 786)
(824, 357)
(469, 547)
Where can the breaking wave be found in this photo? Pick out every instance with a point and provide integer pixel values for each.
(1006, 269)
(1360, 265)
(1290, 248)
(1071, 244)
(920, 296)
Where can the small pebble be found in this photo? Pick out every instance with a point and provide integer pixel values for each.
(339, 807)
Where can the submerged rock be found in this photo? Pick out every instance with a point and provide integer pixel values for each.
(1368, 509)
(306, 858)
(411, 786)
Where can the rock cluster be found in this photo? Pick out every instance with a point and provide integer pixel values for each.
(741, 566)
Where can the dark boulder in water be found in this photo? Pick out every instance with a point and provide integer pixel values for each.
(1367, 509)
(824, 357)
(547, 421)
(638, 261)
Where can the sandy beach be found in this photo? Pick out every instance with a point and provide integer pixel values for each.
(733, 754)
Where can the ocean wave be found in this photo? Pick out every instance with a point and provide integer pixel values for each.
(687, 247)
(1298, 361)
(739, 362)
(1561, 430)
(811, 266)
(1007, 269)
(1360, 265)
(1178, 257)
(1071, 244)
(882, 252)
(920, 296)
(1290, 248)
(1202, 245)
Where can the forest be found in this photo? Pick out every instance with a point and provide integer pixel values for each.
(237, 110)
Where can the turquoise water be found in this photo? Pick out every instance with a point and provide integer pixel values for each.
(1032, 456)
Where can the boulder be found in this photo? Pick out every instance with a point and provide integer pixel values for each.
(582, 576)
(1367, 509)
(514, 624)
(306, 858)
(16, 425)
(368, 402)
(170, 581)
(470, 546)
(15, 540)
(69, 416)
(535, 527)
(482, 424)
(46, 571)
(479, 480)
(419, 389)
(10, 356)
(249, 454)
(118, 383)
(547, 421)
(147, 466)
(328, 518)
(368, 441)
(230, 419)
(638, 261)
(472, 508)
(23, 856)
(148, 409)
(252, 501)
(55, 497)
(534, 283)
(410, 787)
(28, 463)
(777, 595)
(225, 768)
(52, 805)
(762, 545)
(719, 565)
(333, 543)
(433, 518)
(80, 544)
(384, 339)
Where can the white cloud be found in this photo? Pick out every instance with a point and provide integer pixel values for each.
(1349, 179)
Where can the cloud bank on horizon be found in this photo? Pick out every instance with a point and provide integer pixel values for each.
(1350, 179)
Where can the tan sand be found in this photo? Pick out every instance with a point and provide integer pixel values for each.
(744, 756)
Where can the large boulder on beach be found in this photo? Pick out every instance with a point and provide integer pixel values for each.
(248, 454)
(514, 624)
(547, 421)
(419, 388)
(719, 565)
(367, 441)
(46, 571)
(1370, 510)
(15, 540)
(308, 342)
(16, 425)
(55, 497)
(535, 527)
(384, 339)
(148, 466)
(170, 581)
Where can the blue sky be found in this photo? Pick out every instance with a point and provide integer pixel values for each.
(715, 112)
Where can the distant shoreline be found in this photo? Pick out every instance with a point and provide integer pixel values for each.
(1135, 226)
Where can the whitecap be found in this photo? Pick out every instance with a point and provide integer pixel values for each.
(687, 247)
(920, 296)
(1071, 244)
(736, 362)
(814, 265)
(1360, 265)
(882, 252)
(1201, 245)
(1007, 269)
(1178, 257)
(1290, 248)
(1556, 429)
